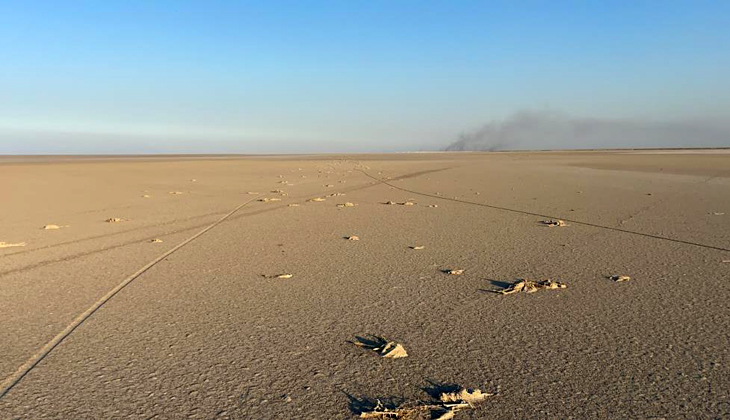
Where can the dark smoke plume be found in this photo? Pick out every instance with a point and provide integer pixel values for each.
(540, 130)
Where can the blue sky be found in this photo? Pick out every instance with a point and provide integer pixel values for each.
(305, 76)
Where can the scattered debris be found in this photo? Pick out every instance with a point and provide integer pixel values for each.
(317, 199)
(352, 238)
(380, 412)
(529, 286)
(464, 395)
(618, 278)
(9, 245)
(554, 223)
(51, 227)
(445, 408)
(454, 272)
(417, 247)
(279, 276)
(114, 220)
(348, 204)
(385, 348)
(156, 241)
(175, 192)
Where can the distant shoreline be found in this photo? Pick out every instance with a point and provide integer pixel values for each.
(225, 155)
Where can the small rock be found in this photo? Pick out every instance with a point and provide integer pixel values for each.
(385, 348)
(554, 223)
(529, 286)
(464, 395)
(9, 245)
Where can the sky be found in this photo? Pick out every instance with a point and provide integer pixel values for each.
(347, 76)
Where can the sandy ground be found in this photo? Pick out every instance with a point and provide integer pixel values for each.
(203, 334)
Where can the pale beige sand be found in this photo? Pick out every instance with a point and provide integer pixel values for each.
(202, 334)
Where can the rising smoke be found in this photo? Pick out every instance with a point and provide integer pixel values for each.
(540, 130)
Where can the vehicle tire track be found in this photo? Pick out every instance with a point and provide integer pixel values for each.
(26, 367)
(547, 216)
(36, 358)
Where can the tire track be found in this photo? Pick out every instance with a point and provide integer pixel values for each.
(36, 358)
(111, 234)
(26, 367)
(240, 215)
(547, 216)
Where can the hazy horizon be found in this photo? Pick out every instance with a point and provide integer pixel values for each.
(313, 77)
